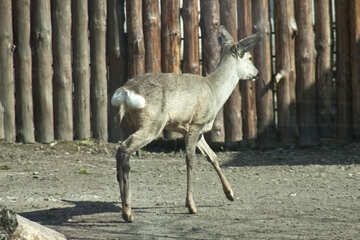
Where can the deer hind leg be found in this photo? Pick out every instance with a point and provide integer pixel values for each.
(211, 157)
(134, 142)
(190, 145)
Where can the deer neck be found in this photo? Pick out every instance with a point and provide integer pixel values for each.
(224, 80)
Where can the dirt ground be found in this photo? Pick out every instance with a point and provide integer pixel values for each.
(309, 193)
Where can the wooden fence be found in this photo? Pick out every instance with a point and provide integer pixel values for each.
(60, 61)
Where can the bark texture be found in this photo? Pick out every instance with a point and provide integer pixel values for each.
(42, 71)
(63, 106)
(23, 72)
(152, 35)
(305, 74)
(324, 87)
(248, 88)
(232, 107)
(98, 13)
(355, 70)
(210, 21)
(262, 58)
(285, 70)
(190, 17)
(135, 37)
(343, 73)
(117, 55)
(81, 70)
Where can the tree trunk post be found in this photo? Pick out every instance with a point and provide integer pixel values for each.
(152, 35)
(232, 107)
(285, 30)
(170, 42)
(262, 58)
(7, 83)
(210, 22)
(135, 37)
(343, 78)
(305, 74)
(324, 87)
(81, 70)
(98, 12)
(117, 60)
(23, 72)
(42, 71)
(190, 16)
(63, 105)
(248, 88)
(355, 70)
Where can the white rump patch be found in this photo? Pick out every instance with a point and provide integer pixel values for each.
(129, 98)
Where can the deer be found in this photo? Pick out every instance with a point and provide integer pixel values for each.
(183, 103)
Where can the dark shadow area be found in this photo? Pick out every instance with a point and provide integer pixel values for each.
(58, 216)
(293, 156)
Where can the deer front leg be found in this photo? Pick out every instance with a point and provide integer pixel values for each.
(190, 145)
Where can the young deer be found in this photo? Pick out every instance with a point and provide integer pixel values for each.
(184, 103)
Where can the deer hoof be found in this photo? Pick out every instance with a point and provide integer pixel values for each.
(229, 194)
(128, 216)
(190, 204)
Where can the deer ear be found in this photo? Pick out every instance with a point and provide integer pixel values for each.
(224, 37)
(248, 43)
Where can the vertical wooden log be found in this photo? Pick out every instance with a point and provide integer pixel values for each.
(152, 35)
(98, 13)
(170, 42)
(343, 79)
(170, 36)
(355, 69)
(63, 107)
(42, 71)
(232, 107)
(285, 27)
(210, 21)
(135, 37)
(324, 87)
(305, 74)
(190, 15)
(7, 83)
(23, 72)
(117, 56)
(81, 70)
(262, 59)
(248, 88)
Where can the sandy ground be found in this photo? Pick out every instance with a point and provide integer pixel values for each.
(309, 193)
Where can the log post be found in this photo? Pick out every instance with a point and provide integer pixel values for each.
(42, 71)
(305, 74)
(210, 21)
(248, 88)
(81, 70)
(7, 83)
(2, 135)
(190, 18)
(343, 78)
(63, 107)
(135, 38)
(16, 227)
(232, 107)
(23, 72)
(98, 14)
(285, 30)
(324, 87)
(117, 56)
(152, 35)
(262, 58)
(355, 70)
(170, 42)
